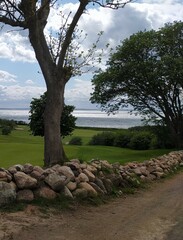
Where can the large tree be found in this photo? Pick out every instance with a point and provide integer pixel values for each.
(146, 72)
(56, 66)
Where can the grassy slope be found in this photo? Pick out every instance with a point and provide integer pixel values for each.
(21, 147)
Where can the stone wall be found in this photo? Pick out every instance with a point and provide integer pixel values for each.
(75, 179)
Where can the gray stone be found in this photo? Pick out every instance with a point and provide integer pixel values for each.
(80, 193)
(181, 164)
(12, 170)
(71, 186)
(7, 193)
(90, 190)
(66, 171)
(37, 175)
(27, 168)
(158, 174)
(91, 169)
(108, 184)
(3, 176)
(38, 169)
(67, 193)
(19, 167)
(24, 181)
(82, 178)
(89, 174)
(45, 192)
(97, 188)
(56, 182)
(144, 171)
(25, 195)
(159, 169)
(115, 179)
(99, 183)
(137, 171)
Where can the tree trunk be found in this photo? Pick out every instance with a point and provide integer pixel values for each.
(55, 80)
(177, 133)
(53, 148)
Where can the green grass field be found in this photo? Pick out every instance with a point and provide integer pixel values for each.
(21, 147)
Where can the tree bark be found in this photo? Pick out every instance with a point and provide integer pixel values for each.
(176, 130)
(53, 148)
(55, 81)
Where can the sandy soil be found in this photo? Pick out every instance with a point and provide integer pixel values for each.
(152, 214)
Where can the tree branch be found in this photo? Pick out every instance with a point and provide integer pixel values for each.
(80, 10)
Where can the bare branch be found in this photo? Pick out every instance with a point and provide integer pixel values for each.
(112, 3)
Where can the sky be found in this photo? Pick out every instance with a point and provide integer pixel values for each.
(20, 75)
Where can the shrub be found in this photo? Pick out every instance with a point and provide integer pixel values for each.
(164, 137)
(75, 141)
(141, 141)
(6, 130)
(122, 139)
(104, 138)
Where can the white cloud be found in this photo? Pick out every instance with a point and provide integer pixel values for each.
(15, 47)
(17, 92)
(6, 77)
(160, 12)
(80, 91)
(116, 24)
(29, 82)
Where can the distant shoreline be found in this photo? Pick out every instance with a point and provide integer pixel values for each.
(85, 117)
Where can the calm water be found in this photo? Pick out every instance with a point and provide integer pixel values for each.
(85, 118)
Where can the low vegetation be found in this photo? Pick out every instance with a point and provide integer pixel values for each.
(138, 138)
(21, 147)
(6, 126)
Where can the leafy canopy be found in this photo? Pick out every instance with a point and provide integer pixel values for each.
(145, 72)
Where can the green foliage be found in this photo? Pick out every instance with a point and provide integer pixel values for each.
(36, 118)
(122, 139)
(75, 141)
(104, 138)
(140, 141)
(6, 130)
(146, 73)
(139, 138)
(161, 136)
(7, 126)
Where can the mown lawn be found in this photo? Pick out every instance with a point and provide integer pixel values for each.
(21, 147)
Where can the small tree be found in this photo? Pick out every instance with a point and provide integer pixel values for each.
(37, 108)
(146, 72)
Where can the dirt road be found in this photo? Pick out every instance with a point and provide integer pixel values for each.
(152, 214)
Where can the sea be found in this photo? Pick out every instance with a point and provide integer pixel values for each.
(85, 118)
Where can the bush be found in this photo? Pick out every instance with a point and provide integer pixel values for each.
(164, 137)
(122, 139)
(75, 141)
(104, 138)
(6, 130)
(141, 141)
